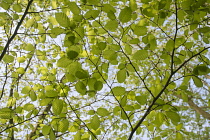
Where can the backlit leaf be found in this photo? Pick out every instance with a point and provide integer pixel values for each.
(173, 116)
(57, 106)
(95, 122)
(125, 15)
(62, 19)
(118, 91)
(121, 75)
(140, 55)
(74, 8)
(102, 112)
(8, 58)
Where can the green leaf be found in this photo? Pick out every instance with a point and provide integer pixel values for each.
(51, 93)
(118, 91)
(29, 23)
(8, 58)
(92, 14)
(121, 75)
(74, 8)
(46, 130)
(201, 70)
(63, 125)
(150, 12)
(111, 15)
(98, 85)
(95, 122)
(102, 45)
(57, 106)
(77, 136)
(26, 90)
(63, 62)
(28, 107)
(80, 87)
(140, 55)
(133, 5)
(197, 81)
(140, 30)
(17, 8)
(6, 113)
(111, 25)
(123, 115)
(82, 74)
(21, 59)
(179, 136)
(123, 101)
(93, 2)
(102, 112)
(204, 30)
(170, 45)
(62, 19)
(52, 135)
(109, 54)
(141, 99)
(134, 41)
(72, 54)
(20, 70)
(33, 96)
(175, 118)
(125, 14)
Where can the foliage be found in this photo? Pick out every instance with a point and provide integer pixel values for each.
(104, 69)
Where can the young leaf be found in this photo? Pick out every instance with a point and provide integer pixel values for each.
(6, 113)
(28, 107)
(80, 87)
(74, 8)
(140, 30)
(8, 58)
(133, 5)
(125, 15)
(140, 55)
(82, 74)
(95, 122)
(141, 99)
(46, 130)
(63, 125)
(52, 135)
(102, 112)
(57, 106)
(29, 22)
(118, 91)
(173, 116)
(121, 75)
(111, 25)
(62, 19)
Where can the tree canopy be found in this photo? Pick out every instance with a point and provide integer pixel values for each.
(104, 69)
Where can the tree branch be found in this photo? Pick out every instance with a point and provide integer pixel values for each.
(16, 30)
